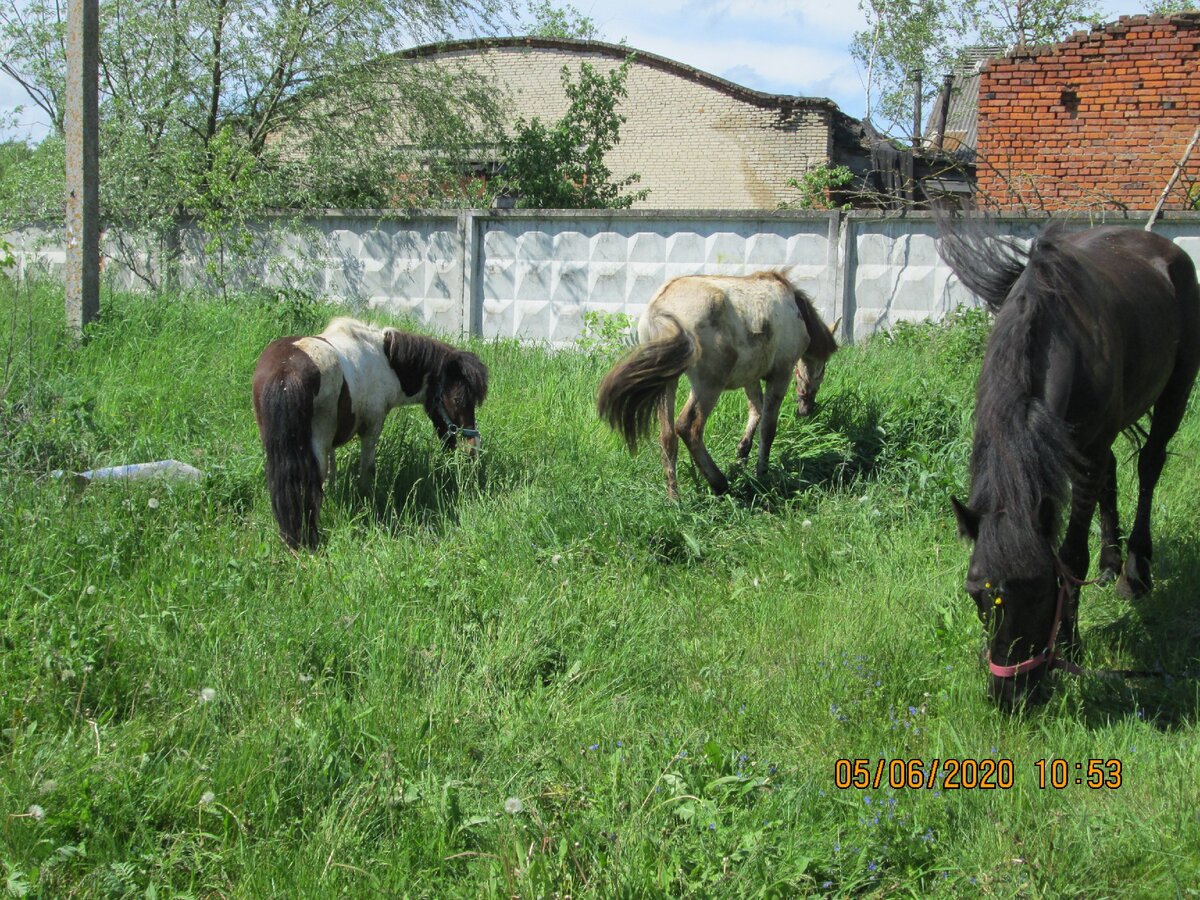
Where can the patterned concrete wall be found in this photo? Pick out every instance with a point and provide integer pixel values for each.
(532, 275)
(539, 276)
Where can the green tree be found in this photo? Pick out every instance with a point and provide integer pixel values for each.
(904, 37)
(563, 166)
(1169, 7)
(565, 21)
(300, 101)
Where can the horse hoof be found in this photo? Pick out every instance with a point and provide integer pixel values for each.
(1131, 588)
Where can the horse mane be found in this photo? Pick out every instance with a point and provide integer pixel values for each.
(1022, 457)
(821, 342)
(416, 357)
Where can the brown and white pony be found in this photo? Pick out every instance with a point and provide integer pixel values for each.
(313, 394)
(723, 332)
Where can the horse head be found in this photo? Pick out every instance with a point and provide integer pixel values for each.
(810, 369)
(1014, 578)
(461, 388)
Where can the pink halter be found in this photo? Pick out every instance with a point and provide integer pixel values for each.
(1049, 654)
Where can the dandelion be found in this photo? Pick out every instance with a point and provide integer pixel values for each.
(208, 695)
(152, 503)
(513, 806)
(207, 797)
(91, 589)
(807, 523)
(48, 786)
(35, 812)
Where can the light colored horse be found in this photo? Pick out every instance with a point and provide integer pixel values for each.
(723, 332)
(313, 394)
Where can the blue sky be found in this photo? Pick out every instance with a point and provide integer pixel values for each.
(779, 46)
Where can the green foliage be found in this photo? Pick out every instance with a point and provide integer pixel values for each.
(1170, 7)
(32, 182)
(536, 675)
(562, 166)
(565, 21)
(820, 185)
(606, 334)
(302, 110)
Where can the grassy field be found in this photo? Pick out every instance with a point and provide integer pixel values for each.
(534, 676)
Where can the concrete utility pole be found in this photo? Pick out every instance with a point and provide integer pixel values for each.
(81, 123)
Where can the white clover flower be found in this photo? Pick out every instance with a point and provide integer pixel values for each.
(208, 695)
(207, 797)
(513, 806)
(91, 589)
(807, 523)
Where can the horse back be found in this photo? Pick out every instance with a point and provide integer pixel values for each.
(359, 352)
(747, 327)
(1136, 323)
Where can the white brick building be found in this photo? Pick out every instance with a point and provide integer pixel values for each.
(696, 140)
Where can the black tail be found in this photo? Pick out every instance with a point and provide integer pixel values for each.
(989, 265)
(285, 415)
(630, 391)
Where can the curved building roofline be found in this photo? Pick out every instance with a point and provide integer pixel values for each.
(620, 52)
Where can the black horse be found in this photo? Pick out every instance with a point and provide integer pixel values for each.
(1092, 330)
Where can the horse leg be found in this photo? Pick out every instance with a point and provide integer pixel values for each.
(1110, 531)
(754, 399)
(667, 438)
(1073, 552)
(1168, 413)
(369, 439)
(776, 391)
(690, 427)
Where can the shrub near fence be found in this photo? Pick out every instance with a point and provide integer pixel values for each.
(536, 274)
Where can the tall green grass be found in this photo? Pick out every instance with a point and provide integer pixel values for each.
(535, 676)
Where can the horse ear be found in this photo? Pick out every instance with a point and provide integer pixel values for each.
(968, 519)
(833, 329)
(468, 367)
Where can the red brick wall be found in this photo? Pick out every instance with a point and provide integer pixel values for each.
(1098, 121)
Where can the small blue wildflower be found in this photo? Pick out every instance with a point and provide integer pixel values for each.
(826, 885)
(822, 792)
(867, 800)
(772, 769)
(620, 743)
(594, 747)
(912, 710)
(712, 826)
(871, 867)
